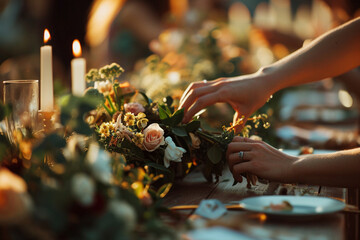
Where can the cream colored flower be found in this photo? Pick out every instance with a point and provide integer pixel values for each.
(140, 115)
(172, 152)
(121, 130)
(195, 141)
(153, 137)
(125, 212)
(15, 202)
(142, 123)
(83, 188)
(103, 87)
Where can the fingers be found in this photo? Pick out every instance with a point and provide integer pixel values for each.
(191, 87)
(200, 95)
(242, 154)
(249, 140)
(235, 147)
(238, 158)
(239, 169)
(201, 103)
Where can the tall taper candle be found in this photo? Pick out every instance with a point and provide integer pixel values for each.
(78, 68)
(46, 76)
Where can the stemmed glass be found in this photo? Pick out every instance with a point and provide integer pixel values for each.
(23, 96)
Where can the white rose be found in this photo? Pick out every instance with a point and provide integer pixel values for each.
(172, 152)
(83, 188)
(123, 211)
(99, 161)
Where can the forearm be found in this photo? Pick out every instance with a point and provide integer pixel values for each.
(336, 169)
(330, 55)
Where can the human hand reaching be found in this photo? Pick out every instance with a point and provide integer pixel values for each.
(245, 94)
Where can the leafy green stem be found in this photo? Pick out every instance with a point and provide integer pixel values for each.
(113, 110)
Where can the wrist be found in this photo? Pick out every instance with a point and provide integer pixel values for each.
(295, 170)
(269, 78)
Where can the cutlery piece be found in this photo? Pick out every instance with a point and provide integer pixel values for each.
(193, 207)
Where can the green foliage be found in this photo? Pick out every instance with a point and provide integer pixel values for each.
(73, 112)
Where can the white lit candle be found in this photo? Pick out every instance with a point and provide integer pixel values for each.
(46, 76)
(78, 68)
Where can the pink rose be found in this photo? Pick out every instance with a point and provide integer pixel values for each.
(153, 137)
(134, 108)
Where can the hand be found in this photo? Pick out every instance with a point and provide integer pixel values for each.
(259, 159)
(245, 95)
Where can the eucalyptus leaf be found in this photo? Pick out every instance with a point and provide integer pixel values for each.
(163, 113)
(177, 117)
(179, 131)
(192, 126)
(215, 154)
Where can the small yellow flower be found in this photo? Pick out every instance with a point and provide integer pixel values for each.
(129, 119)
(106, 128)
(140, 115)
(138, 139)
(142, 123)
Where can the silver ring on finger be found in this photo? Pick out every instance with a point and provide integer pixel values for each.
(241, 155)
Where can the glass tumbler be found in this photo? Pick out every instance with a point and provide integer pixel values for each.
(23, 95)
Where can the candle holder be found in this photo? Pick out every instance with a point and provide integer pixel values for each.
(47, 120)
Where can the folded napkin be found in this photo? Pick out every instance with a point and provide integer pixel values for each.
(211, 208)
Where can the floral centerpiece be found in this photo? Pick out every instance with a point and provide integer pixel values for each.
(62, 184)
(152, 134)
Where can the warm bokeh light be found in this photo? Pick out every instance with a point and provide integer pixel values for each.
(101, 17)
(47, 36)
(345, 98)
(76, 48)
(178, 8)
(9, 180)
(262, 217)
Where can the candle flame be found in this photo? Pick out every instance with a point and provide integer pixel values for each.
(76, 48)
(47, 36)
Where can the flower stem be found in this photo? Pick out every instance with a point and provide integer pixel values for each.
(113, 110)
(107, 109)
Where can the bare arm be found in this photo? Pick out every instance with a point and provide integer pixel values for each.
(332, 54)
(336, 169)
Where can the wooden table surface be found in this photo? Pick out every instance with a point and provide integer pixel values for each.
(194, 188)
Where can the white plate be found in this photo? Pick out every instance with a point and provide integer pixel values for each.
(302, 205)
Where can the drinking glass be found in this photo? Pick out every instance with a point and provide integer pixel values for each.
(23, 95)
